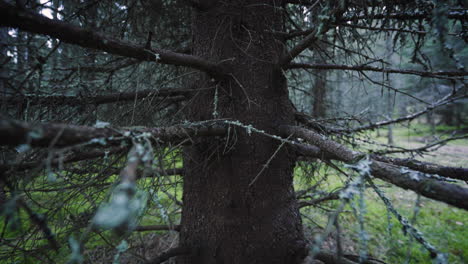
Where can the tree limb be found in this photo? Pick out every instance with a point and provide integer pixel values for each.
(13, 133)
(426, 167)
(427, 186)
(11, 16)
(440, 74)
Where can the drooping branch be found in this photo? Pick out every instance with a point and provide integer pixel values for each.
(55, 100)
(439, 74)
(423, 184)
(13, 133)
(11, 16)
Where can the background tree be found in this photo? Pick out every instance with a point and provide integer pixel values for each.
(116, 112)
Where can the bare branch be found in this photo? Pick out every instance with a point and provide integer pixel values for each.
(11, 16)
(309, 122)
(13, 133)
(440, 74)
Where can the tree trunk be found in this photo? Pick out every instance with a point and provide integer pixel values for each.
(319, 90)
(319, 93)
(4, 91)
(229, 214)
(390, 110)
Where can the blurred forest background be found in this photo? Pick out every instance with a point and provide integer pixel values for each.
(45, 79)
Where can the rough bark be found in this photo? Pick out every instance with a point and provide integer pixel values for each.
(242, 218)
